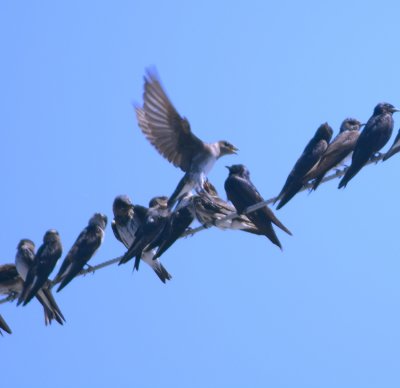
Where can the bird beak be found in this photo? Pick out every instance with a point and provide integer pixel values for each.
(362, 125)
(234, 150)
(395, 110)
(228, 168)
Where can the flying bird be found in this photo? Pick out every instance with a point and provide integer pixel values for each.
(337, 152)
(4, 326)
(242, 193)
(127, 219)
(43, 264)
(171, 135)
(308, 159)
(394, 149)
(177, 223)
(85, 246)
(12, 278)
(374, 136)
(210, 209)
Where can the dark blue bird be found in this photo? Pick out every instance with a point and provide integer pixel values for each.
(308, 159)
(375, 135)
(242, 193)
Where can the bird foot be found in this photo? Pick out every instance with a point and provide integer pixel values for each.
(90, 268)
(376, 157)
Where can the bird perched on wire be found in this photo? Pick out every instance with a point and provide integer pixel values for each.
(127, 220)
(85, 246)
(374, 136)
(43, 264)
(12, 280)
(336, 153)
(177, 223)
(242, 193)
(394, 149)
(4, 326)
(308, 159)
(171, 135)
(210, 209)
(149, 231)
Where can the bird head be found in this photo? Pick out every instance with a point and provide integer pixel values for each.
(159, 202)
(99, 219)
(26, 243)
(350, 124)
(385, 107)
(122, 206)
(51, 236)
(238, 169)
(226, 148)
(324, 132)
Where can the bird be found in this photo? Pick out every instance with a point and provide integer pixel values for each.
(4, 326)
(337, 152)
(173, 138)
(394, 149)
(43, 264)
(12, 278)
(85, 246)
(375, 135)
(153, 223)
(127, 219)
(210, 209)
(308, 159)
(242, 193)
(177, 223)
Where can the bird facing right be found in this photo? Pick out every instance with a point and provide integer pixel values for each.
(242, 193)
(375, 135)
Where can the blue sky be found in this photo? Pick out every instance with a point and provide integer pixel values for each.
(238, 312)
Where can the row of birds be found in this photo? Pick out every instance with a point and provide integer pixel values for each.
(148, 232)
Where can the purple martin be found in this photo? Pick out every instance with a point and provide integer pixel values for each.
(177, 223)
(12, 278)
(43, 264)
(85, 246)
(308, 159)
(127, 219)
(4, 326)
(374, 136)
(171, 135)
(211, 209)
(242, 193)
(394, 149)
(336, 153)
(150, 230)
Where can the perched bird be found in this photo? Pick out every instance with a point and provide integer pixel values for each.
(85, 246)
(177, 223)
(210, 209)
(4, 326)
(12, 278)
(394, 149)
(338, 150)
(242, 193)
(149, 231)
(127, 219)
(171, 135)
(374, 136)
(43, 264)
(308, 159)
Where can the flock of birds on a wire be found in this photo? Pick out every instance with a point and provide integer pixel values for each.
(148, 232)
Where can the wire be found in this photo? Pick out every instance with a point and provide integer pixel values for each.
(91, 269)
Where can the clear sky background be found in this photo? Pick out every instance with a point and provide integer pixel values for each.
(238, 312)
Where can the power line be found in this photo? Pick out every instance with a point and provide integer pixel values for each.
(91, 269)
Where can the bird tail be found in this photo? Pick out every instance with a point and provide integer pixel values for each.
(317, 182)
(156, 265)
(4, 326)
(289, 194)
(71, 273)
(391, 152)
(186, 184)
(350, 173)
